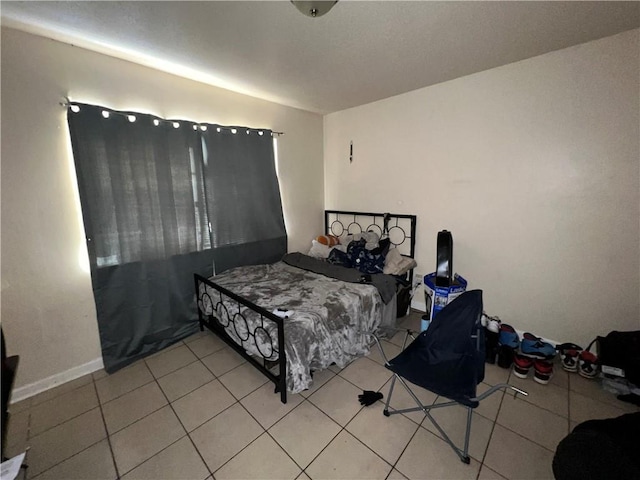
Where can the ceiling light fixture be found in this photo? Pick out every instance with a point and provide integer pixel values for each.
(314, 8)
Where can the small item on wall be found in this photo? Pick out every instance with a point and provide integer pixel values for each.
(351, 152)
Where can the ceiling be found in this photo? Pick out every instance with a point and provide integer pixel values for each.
(357, 53)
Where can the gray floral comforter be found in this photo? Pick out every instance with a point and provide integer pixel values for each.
(329, 321)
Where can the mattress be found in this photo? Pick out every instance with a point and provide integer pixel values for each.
(329, 320)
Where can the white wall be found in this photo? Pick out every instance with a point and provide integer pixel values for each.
(48, 312)
(535, 169)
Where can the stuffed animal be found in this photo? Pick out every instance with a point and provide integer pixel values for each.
(328, 240)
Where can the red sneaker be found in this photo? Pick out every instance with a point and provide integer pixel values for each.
(521, 365)
(588, 364)
(543, 371)
(569, 353)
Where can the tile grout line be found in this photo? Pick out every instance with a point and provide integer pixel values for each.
(419, 425)
(135, 421)
(230, 406)
(172, 371)
(28, 446)
(569, 403)
(109, 435)
(158, 453)
(510, 430)
(224, 373)
(71, 456)
(81, 451)
(493, 427)
(141, 362)
(304, 470)
(526, 438)
(344, 428)
(393, 465)
(404, 450)
(68, 419)
(265, 430)
(30, 437)
(181, 424)
(278, 421)
(361, 442)
(106, 431)
(32, 405)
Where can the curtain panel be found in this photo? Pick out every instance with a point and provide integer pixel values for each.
(162, 200)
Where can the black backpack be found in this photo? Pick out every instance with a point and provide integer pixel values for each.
(621, 350)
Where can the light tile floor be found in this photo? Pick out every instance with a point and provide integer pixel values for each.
(197, 410)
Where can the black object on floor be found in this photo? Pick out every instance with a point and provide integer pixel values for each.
(631, 398)
(505, 356)
(369, 397)
(491, 345)
(600, 449)
(9, 370)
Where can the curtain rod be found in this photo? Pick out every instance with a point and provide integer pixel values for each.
(68, 103)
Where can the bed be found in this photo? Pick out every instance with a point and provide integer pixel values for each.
(322, 312)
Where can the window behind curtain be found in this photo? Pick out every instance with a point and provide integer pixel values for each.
(149, 193)
(244, 207)
(142, 189)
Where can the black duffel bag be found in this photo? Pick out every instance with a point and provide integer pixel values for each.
(621, 350)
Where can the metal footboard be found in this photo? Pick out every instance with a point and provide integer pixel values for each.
(218, 308)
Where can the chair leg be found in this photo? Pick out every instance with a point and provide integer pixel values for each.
(386, 405)
(462, 453)
(467, 435)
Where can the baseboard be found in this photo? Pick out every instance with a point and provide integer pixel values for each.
(418, 305)
(548, 340)
(422, 306)
(34, 388)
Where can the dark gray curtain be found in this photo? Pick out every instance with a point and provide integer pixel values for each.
(146, 188)
(243, 198)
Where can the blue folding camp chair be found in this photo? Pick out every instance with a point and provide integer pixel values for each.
(448, 360)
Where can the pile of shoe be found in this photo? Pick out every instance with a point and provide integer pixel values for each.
(508, 343)
(536, 353)
(575, 359)
(504, 347)
(501, 341)
(491, 334)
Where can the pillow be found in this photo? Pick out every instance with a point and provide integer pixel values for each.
(329, 240)
(372, 240)
(396, 264)
(318, 250)
(346, 239)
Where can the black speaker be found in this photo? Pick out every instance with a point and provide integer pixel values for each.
(444, 260)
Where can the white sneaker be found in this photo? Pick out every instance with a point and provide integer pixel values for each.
(493, 324)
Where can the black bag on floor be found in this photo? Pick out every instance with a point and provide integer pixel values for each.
(621, 350)
(600, 449)
(404, 299)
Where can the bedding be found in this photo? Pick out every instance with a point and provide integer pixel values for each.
(396, 264)
(328, 321)
(256, 310)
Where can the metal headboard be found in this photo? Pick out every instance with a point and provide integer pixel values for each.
(401, 229)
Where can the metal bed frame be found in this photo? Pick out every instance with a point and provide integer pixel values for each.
(399, 228)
